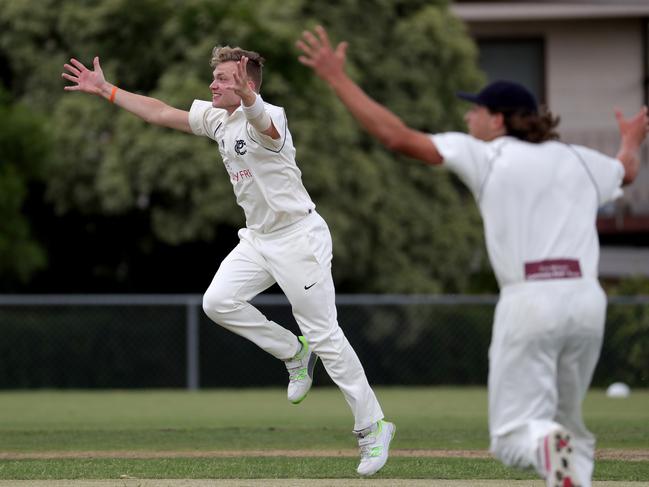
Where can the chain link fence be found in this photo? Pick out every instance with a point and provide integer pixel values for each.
(137, 341)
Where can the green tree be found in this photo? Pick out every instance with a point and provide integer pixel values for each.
(625, 355)
(23, 146)
(398, 226)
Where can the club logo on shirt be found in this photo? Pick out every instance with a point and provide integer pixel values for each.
(239, 147)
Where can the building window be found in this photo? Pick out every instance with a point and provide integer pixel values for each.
(520, 60)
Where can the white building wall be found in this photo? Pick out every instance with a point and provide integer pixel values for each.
(592, 66)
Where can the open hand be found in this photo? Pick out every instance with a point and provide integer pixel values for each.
(319, 55)
(241, 85)
(634, 129)
(84, 79)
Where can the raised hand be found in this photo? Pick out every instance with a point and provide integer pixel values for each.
(633, 130)
(84, 80)
(241, 85)
(318, 54)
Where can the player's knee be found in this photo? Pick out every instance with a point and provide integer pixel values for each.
(217, 304)
(330, 339)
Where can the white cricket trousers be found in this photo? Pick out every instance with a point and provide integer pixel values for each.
(546, 341)
(298, 258)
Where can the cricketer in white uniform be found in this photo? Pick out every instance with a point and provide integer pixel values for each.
(539, 200)
(285, 240)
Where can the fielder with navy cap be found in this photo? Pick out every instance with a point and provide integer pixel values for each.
(538, 198)
(503, 96)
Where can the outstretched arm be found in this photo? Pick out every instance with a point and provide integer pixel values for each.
(149, 109)
(375, 118)
(633, 132)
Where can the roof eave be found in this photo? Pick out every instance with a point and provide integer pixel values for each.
(529, 11)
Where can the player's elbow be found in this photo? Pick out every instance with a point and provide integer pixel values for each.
(392, 143)
(394, 140)
(629, 176)
(155, 117)
(631, 166)
(158, 113)
(414, 144)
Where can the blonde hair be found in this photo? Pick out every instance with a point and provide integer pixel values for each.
(222, 54)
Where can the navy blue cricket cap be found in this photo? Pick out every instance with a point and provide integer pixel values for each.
(503, 96)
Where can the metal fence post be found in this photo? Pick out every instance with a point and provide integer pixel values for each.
(193, 372)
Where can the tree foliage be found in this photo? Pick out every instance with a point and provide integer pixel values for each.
(398, 226)
(627, 333)
(23, 143)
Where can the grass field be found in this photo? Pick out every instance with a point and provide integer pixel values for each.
(257, 434)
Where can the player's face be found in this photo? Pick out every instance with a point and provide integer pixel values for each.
(223, 96)
(483, 124)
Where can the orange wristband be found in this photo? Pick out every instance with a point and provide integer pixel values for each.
(112, 94)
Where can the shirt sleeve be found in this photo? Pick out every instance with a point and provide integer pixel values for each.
(606, 172)
(464, 155)
(278, 116)
(204, 119)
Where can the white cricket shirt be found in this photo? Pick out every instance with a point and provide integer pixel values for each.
(538, 201)
(263, 172)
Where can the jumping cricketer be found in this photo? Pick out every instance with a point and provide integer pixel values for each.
(285, 240)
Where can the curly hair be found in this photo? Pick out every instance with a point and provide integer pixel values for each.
(222, 54)
(528, 126)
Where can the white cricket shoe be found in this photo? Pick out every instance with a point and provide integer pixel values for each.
(374, 443)
(300, 372)
(557, 459)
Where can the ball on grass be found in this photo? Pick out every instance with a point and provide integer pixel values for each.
(618, 389)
